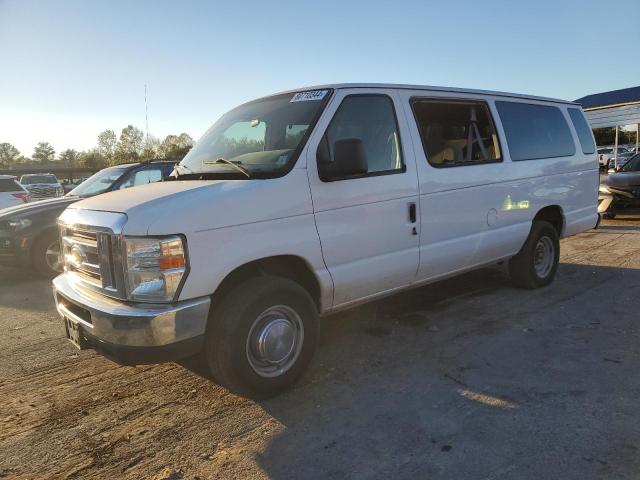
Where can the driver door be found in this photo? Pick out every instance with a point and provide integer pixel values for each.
(368, 225)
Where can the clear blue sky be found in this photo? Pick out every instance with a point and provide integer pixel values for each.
(73, 68)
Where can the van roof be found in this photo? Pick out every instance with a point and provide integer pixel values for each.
(427, 88)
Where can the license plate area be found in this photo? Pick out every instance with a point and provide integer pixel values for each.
(74, 333)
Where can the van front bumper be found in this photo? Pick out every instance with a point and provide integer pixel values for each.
(132, 333)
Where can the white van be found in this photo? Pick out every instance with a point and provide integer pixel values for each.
(307, 202)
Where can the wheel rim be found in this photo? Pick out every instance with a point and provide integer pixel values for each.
(52, 256)
(544, 257)
(275, 341)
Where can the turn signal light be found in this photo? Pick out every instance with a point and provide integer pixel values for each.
(169, 263)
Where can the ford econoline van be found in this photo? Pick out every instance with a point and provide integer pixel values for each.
(307, 202)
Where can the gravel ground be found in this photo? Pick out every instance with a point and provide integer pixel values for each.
(466, 379)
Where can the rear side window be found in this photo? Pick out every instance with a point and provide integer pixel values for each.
(10, 185)
(535, 131)
(583, 130)
(456, 132)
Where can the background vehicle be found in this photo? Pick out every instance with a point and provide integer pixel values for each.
(29, 235)
(42, 185)
(620, 190)
(307, 202)
(11, 192)
(623, 157)
(606, 154)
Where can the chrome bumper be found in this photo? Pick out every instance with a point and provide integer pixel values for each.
(114, 322)
(604, 201)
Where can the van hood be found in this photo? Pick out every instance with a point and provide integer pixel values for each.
(183, 206)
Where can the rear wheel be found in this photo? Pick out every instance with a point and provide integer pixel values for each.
(536, 263)
(262, 336)
(46, 255)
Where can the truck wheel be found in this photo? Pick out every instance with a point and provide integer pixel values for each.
(46, 254)
(536, 263)
(262, 336)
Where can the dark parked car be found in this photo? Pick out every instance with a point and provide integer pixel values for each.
(620, 190)
(28, 233)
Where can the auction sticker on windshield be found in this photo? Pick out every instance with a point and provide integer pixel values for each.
(308, 96)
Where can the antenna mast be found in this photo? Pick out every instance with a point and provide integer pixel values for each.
(146, 113)
(146, 120)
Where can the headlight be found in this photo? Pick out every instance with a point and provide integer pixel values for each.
(18, 223)
(154, 268)
(60, 190)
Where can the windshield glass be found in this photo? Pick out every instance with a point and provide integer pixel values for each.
(98, 183)
(31, 179)
(633, 165)
(264, 136)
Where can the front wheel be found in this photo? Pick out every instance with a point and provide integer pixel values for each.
(262, 336)
(536, 263)
(46, 255)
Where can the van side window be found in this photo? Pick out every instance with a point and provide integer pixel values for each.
(535, 131)
(371, 119)
(583, 130)
(456, 132)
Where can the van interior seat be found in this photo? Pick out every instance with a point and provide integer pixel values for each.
(439, 150)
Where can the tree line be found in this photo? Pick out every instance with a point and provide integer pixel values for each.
(131, 146)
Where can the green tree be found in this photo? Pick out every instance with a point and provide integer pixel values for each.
(175, 147)
(92, 159)
(43, 153)
(69, 157)
(129, 146)
(107, 142)
(9, 155)
(150, 148)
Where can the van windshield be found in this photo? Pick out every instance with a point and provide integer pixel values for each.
(263, 137)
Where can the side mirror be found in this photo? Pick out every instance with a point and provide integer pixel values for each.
(349, 159)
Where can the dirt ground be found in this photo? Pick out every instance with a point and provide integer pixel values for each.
(470, 378)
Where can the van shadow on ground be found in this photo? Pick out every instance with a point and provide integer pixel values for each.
(471, 378)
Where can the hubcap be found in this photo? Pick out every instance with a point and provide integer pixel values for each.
(275, 341)
(544, 257)
(52, 256)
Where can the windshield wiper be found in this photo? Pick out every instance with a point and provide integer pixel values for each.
(237, 165)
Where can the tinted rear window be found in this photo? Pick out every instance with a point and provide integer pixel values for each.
(535, 131)
(583, 130)
(9, 185)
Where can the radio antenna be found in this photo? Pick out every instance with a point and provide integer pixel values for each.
(146, 117)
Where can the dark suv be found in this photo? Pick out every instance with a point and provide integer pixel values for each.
(28, 233)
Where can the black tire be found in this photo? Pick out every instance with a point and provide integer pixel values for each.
(39, 254)
(230, 323)
(522, 267)
(609, 215)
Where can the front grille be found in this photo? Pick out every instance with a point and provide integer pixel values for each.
(93, 257)
(42, 191)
